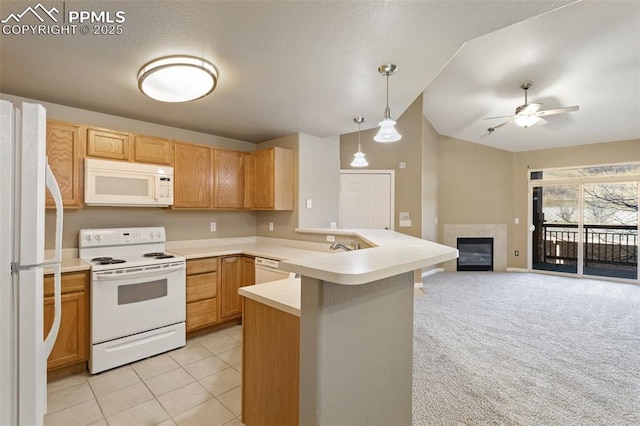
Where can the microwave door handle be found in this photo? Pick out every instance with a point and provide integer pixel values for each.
(142, 273)
(156, 184)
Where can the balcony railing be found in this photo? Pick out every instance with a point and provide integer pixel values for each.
(604, 244)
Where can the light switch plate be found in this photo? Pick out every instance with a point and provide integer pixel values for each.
(270, 226)
(309, 203)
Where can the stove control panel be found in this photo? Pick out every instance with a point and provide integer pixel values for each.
(121, 236)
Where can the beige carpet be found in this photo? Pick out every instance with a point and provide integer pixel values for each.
(526, 349)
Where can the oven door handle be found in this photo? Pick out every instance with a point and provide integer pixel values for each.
(147, 271)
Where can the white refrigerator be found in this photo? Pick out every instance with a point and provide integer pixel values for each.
(25, 177)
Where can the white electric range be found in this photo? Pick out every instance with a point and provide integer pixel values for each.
(137, 295)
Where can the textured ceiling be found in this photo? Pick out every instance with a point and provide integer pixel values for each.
(285, 67)
(585, 54)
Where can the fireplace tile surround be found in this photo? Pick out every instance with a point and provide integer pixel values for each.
(497, 232)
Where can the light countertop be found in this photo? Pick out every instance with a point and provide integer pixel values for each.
(259, 249)
(70, 264)
(283, 295)
(392, 254)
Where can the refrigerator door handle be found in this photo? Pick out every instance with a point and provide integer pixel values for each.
(55, 262)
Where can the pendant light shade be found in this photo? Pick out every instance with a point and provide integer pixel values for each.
(387, 132)
(177, 78)
(358, 157)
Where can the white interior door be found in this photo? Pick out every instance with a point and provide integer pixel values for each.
(366, 200)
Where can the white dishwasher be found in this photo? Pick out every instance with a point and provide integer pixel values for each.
(267, 271)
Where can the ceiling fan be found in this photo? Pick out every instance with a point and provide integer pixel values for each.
(529, 114)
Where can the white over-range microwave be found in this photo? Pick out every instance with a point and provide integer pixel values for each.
(119, 183)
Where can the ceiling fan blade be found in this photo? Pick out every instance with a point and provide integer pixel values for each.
(492, 129)
(499, 116)
(557, 111)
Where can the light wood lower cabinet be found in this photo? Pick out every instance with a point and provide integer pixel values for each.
(270, 366)
(72, 343)
(202, 292)
(235, 272)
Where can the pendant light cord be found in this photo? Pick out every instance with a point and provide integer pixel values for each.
(387, 110)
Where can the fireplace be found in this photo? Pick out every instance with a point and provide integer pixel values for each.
(475, 254)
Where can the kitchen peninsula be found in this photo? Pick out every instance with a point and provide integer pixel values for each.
(355, 330)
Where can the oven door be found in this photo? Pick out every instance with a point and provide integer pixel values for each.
(132, 300)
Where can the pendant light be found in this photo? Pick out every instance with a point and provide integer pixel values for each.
(387, 132)
(358, 157)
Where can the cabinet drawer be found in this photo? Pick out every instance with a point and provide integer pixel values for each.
(72, 282)
(200, 266)
(201, 314)
(201, 286)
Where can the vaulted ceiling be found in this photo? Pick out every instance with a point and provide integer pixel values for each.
(311, 66)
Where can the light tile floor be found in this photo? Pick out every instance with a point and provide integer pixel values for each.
(198, 384)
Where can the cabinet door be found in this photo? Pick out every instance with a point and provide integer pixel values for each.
(263, 184)
(273, 179)
(229, 179)
(192, 176)
(248, 271)
(108, 144)
(148, 149)
(249, 177)
(65, 147)
(230, 282)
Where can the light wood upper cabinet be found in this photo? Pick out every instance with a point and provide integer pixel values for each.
(228, 186)
(273, 179)
(249, 176)
(192, 176)
(109, 144)
(65, 151)
(149, 149)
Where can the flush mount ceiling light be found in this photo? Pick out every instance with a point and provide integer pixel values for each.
(177, 78)
(358, 157)
(387, 132)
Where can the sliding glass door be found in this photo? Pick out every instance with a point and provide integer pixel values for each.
(610, 212)
(555, 235)
(584, 221)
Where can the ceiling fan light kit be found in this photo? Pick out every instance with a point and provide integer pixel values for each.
(387, 132)
(358, 157)
(177, 78)
(529, 114)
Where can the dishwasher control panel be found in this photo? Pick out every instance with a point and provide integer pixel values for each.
(269, 263)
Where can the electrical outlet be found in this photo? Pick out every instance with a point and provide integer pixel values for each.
(517, 253)
(309, 203)
(331, 238)
(516, 220)
(213, 227)
(270, 226)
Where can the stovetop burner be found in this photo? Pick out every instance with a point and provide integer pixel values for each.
(101, 259)
(158, 255)
(110, 261)
(153, 254)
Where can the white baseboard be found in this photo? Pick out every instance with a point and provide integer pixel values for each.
(432, 271)
(517, 270)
